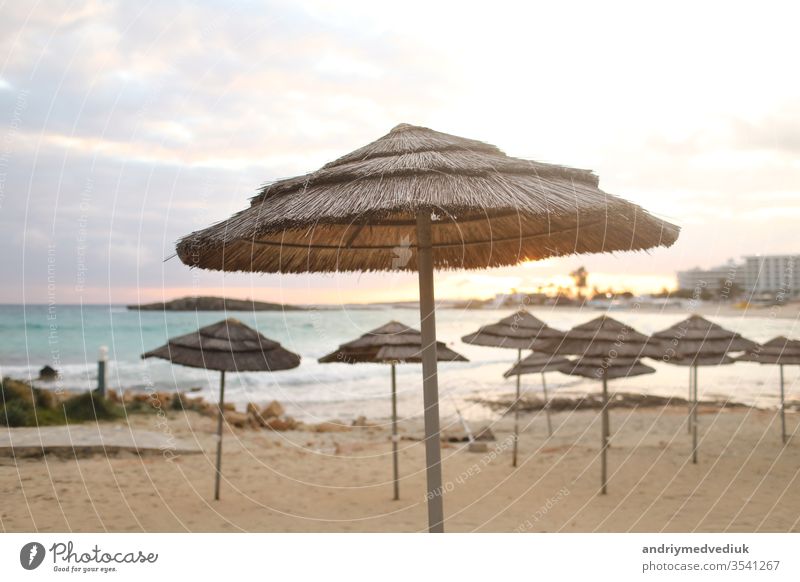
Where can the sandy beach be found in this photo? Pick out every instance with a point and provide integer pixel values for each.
(340, 481)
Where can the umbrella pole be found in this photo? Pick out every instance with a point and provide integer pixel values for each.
(694, 420)
(430, 382)
(689, 402)
(395, 461)
(604, 447)
(516, 413)
(547, 407)
(219, 433)
(783, 412)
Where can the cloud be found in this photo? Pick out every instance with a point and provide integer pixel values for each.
(142, 122)
(777, 131)
(204, 80)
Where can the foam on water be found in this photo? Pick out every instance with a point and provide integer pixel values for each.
(67, 338)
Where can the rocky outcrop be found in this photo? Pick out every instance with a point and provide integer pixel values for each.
(213, 304)
(532, 403)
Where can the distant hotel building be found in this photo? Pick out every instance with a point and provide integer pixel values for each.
(772, 274)
(713, 279)
(757, 275)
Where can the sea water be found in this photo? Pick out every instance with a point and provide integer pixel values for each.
(67, 337)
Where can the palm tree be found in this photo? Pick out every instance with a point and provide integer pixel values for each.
(580, 276)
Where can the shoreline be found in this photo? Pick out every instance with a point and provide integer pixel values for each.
(315, 391)
(790, 310)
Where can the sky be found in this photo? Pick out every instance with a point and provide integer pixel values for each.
(125, 125)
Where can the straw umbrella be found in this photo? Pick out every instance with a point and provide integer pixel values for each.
(535, 363)
(226, 346)
(519, 331)
(416, 200)
(780, 351)
(393, 343)
(606, 349)
(696, 342)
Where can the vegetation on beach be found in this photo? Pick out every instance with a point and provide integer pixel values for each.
(24, 405)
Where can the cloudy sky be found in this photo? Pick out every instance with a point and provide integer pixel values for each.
(124, 125)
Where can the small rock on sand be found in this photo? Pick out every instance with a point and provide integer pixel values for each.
(281, 424)
(237, 419)
(272, 410)
(330, 426)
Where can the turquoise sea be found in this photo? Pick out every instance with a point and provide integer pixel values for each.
(67, 337)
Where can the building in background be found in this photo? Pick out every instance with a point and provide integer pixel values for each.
(777, 276)
(772, 274)
(715, 279)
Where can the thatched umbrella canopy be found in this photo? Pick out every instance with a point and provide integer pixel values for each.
(535, 363)
(393, 343)
(520, 331)
(604, 337)
(783, 352)
(226, 346)
(606, 349)
(607, 368)
(780, 350)
(694, 342)
(415, 200)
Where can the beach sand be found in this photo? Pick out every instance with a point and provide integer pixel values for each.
(340, 481)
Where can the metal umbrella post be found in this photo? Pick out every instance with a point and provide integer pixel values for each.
(783, 409)
(516, 413)
(220, 419)
(694, 418)
(430, 381)
(689, 401)
(395, 460)
(604, 442)
(547, 407)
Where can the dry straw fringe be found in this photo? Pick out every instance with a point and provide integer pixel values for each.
(358, 213)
